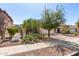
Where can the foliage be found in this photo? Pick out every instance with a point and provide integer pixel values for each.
(75, 33)
(31, 25)
(32, 37)
(17, 27)
(35, 26)
(47, 21)
(52, 20)
(12, 31)
(27, 24)
(65, 29)
(58, 17)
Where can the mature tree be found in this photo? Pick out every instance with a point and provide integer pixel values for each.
(47, 21)
(77, 24)
(58, 16)
(52, 20)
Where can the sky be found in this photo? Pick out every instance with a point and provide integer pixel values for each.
(23, 11)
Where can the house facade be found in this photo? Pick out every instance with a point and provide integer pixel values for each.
(72, 29)
(6, 19)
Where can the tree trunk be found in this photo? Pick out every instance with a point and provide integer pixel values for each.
(21, 34)
(54, 30)
(48, 33)
(10, 37)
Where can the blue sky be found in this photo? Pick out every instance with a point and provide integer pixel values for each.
(21, 11)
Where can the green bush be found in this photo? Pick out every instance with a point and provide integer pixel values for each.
(12, 31)
(75, 33)
(67, 32)
(65, 29)
(32, 37)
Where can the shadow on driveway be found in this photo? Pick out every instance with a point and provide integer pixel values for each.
(71, 45)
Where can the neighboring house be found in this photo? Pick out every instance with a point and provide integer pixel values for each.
(72, 28)
(44, 31)
(6, 19)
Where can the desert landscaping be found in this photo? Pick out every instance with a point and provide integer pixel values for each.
(47, 36)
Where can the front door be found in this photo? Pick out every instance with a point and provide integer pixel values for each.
(58, 30)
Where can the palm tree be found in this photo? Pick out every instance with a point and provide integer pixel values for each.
(31, 25)
(27, 25)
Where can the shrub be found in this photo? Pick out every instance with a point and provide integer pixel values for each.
(65, 29)
(75, 33)
(32, 37)
(67, 32)
(12, 31)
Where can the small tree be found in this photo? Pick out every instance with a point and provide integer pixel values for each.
(12, 31)
(47, 21)
(58, 16)
(52, 20)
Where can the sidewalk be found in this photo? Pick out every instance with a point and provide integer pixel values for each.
(67, 38)
(21, 48)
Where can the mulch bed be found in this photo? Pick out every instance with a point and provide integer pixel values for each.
(48, 51)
